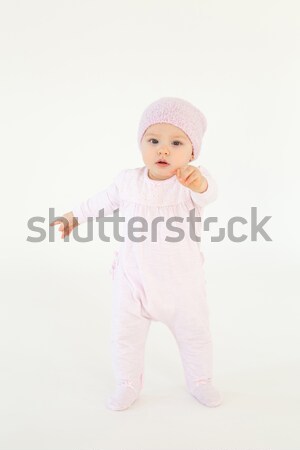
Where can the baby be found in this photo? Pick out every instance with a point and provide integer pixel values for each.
(159, 279)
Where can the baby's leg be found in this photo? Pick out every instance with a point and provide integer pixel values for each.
(190, 327)
(195, 346)
(128, 337)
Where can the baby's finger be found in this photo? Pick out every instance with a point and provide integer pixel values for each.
(55, 222)
(180, 171)
(186, 172)
(183, 169)
(193, 177)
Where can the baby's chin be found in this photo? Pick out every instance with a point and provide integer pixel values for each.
(156, 174)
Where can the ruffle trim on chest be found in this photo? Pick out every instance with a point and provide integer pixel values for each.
(137, 187)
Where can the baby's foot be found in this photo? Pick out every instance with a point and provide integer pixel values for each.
(207, 394)
(124, 396)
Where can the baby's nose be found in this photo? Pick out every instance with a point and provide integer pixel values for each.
(164, 150)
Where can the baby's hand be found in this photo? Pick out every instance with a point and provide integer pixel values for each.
(67, 223)
(191, 177)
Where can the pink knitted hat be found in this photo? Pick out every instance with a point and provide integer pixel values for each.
(178, 112)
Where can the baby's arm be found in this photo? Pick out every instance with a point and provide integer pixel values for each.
(211, 193)
(108, 199)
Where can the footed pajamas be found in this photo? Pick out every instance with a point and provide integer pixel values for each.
(155, 279)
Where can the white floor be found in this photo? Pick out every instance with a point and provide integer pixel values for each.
(56, 374)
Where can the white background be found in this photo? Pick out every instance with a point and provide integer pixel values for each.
(75, 78)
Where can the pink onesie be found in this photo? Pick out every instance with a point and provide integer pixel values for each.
(155, 279)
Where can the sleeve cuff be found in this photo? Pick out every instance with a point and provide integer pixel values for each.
(76, 210)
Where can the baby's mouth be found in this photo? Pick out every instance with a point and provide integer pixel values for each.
(162, 162)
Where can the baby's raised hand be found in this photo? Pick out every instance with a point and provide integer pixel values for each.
(67, 223)
(191, 177)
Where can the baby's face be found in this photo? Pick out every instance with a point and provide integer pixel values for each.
(167, 142)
